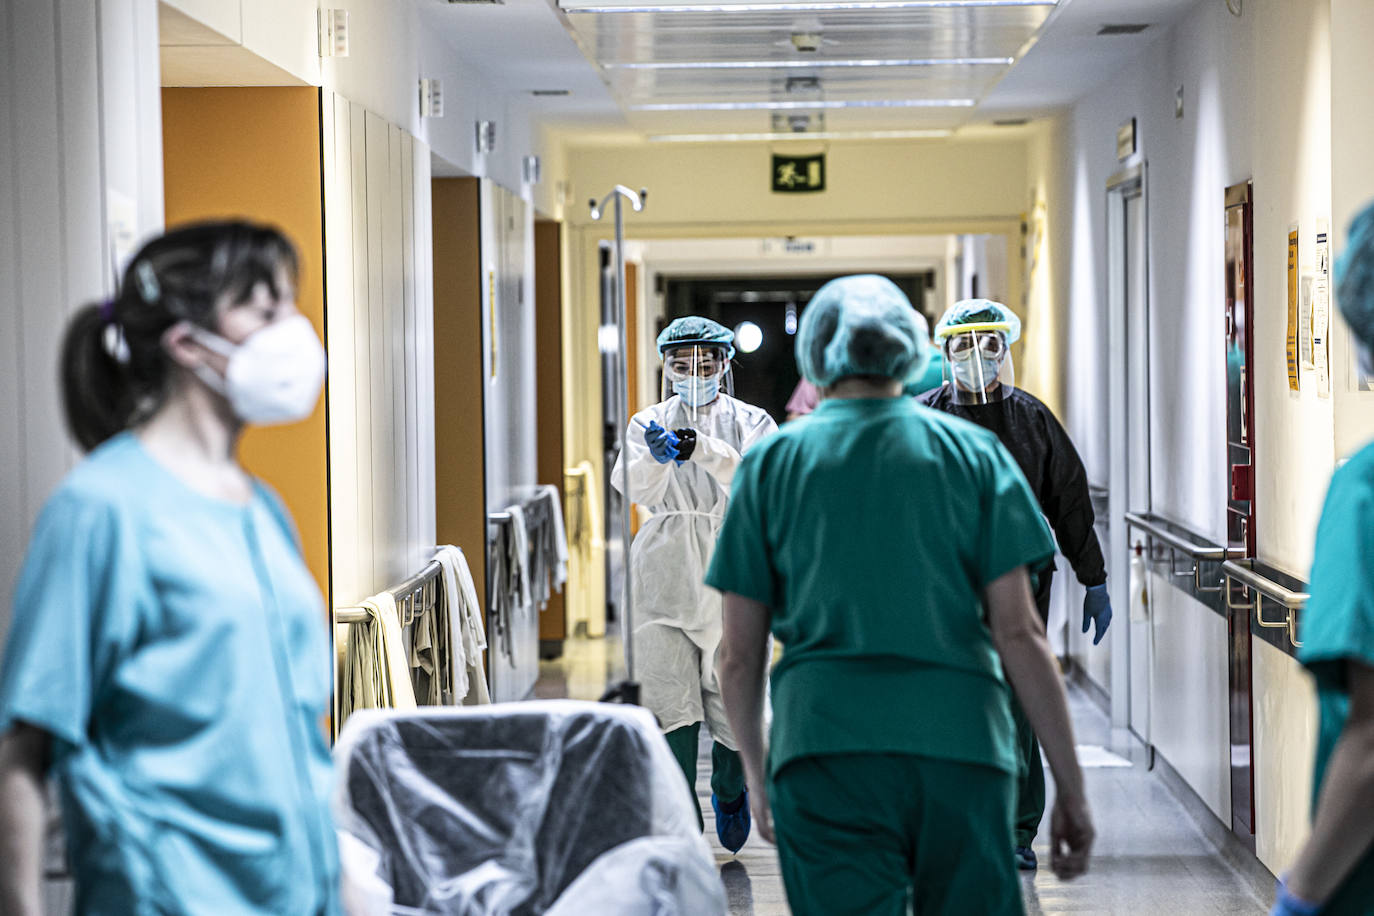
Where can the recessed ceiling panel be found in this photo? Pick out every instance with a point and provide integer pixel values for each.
(901, 64)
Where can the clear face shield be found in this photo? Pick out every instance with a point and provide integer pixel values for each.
(698, 374)
(978, 365)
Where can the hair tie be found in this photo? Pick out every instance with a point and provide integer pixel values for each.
(148, 286)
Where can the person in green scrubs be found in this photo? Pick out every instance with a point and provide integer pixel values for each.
(168, 665)
(1334, 873)
(885, 546)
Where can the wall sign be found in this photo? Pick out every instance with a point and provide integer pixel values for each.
(1321, 312)
(1292, 341)
(798, 174)
(1125, 141)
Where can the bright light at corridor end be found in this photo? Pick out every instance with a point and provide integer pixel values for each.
(748, 336)
(822, 6)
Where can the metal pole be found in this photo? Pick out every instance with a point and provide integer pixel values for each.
(628, 691)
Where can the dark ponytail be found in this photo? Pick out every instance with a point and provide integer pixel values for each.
(115, 373)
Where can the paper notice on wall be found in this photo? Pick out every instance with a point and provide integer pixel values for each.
(1292, 349)
(1321, 313)
(1307, 283)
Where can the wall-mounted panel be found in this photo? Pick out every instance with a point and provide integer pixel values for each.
(1189, 693)
(254, 153)
(379, 350)
(1285, 722)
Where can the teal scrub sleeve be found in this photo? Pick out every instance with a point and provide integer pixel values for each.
(1012, 531)
(1338, 623)
(78, 596)
(742, 562)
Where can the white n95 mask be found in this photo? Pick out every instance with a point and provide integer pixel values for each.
(274, 376)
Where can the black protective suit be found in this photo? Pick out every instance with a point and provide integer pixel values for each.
(1051, 464)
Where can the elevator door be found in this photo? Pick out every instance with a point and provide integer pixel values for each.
(1240, 506)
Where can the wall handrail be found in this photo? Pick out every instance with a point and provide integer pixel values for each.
(1197, 549)
(423, 584)
(1264, 587)
(1267, 587)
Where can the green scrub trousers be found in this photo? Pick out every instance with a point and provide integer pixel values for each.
(727, 769)
(880, 834)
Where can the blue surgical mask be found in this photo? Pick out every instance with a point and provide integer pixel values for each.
(967, 372)
(697, 392)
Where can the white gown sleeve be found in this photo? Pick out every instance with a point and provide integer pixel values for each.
(648, 479)
(720, 459)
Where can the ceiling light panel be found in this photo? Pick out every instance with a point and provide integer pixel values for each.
(644, 86)
(925, 34)
(724, 67)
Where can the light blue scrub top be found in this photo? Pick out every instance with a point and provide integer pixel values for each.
(175, 648)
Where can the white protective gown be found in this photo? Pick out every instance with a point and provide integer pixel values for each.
(677, 619)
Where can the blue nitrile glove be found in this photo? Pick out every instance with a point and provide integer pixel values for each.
(1097, 608)
(662, 444)
(1285, 904)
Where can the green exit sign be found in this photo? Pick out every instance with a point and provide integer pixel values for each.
(798, 174)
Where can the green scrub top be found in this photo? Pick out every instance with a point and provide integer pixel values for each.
(870, 528)
(1337, 627)
(174, 646)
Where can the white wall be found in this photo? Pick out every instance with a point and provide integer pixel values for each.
(1258, 105)
(1352, 187)
(81, 144)
(380, 336)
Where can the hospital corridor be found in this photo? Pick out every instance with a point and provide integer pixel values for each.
(686, 457)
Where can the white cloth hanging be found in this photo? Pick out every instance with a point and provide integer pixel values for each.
(560, 534)
(469, 637)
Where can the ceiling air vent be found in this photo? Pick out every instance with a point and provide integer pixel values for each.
(1011, 122)
(1133, 28)
(549, 93)
(803, 84)
(477, 2)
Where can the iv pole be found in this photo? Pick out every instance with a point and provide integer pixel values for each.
(628, 690)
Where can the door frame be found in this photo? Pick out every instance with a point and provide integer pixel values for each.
(1129, 182)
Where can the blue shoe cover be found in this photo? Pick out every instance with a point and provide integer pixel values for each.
(1025, 859)
(732, 829)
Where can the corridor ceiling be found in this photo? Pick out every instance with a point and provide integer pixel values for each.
(690, 69)
(752, 66)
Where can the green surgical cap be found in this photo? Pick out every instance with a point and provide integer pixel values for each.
(1354, 275)
(861, 325)
(693, 330)
(979, 312)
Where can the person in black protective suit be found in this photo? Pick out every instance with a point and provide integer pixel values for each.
(975, 336)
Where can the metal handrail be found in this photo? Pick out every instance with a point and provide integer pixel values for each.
(1265, 586)
(1199, 552)
(404, 594)
(1262, 585)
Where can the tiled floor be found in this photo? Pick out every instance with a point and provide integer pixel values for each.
(1152, 856)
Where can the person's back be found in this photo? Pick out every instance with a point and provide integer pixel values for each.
(899, 501)
(886, 547)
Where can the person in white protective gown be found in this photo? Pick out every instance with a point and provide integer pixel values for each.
(683, 453)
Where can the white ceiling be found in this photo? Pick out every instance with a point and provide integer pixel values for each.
(625, 73)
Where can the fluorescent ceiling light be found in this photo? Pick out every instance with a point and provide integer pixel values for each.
(818, 135)
(809, 64)
(805, 106)
(822, 6)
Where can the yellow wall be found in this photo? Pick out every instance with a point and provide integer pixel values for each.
(255, 153)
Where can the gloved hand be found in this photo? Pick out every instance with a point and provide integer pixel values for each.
(686, 443)
(662, 444)
(1097, 609)
(1285, 904)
